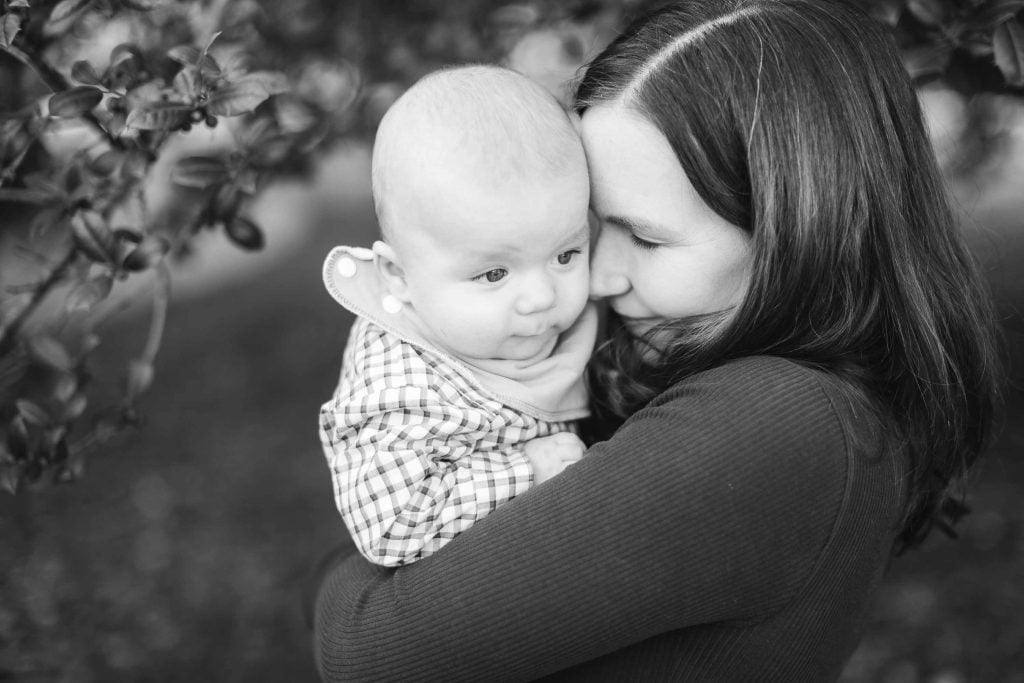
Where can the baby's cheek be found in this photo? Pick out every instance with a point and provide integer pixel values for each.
(474, 325)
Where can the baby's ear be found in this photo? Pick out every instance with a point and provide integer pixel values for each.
(390, 269)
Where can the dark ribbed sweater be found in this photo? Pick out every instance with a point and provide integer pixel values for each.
(731, 530)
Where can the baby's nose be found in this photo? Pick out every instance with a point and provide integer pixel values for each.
(537, 296)
(608, 267)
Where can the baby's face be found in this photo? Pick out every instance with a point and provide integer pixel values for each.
(497, 273)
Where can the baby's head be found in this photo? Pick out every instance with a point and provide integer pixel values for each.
(480, 186)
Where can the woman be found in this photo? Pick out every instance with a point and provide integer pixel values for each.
(801, 363)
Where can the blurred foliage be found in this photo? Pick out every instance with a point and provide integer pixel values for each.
(81, 131)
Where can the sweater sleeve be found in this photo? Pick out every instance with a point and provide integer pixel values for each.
(710, 505)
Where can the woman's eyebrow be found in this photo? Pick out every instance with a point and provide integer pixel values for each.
(648, 228)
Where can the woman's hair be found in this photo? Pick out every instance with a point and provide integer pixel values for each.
(795, 120)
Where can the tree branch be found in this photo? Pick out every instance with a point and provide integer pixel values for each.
(56, 82)
(9, 334)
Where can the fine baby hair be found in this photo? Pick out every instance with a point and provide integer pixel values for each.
(487, 123)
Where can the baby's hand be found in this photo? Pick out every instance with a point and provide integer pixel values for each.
(549, 455)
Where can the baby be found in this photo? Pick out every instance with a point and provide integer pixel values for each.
(463, 371)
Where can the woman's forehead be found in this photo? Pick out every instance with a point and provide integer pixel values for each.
(629, 159)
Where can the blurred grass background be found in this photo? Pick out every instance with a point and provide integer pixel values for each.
(182, 554)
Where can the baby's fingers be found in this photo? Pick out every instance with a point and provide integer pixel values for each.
(568, 439)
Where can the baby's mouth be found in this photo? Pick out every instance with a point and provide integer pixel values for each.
(536, 330)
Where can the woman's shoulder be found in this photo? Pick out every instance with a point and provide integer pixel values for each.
(770, 417)
(763, 388)
(769, 375)
(775, 449)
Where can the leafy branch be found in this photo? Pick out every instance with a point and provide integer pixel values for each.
(91, 203)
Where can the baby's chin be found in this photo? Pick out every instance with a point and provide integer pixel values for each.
(533, 348)
(519, 350)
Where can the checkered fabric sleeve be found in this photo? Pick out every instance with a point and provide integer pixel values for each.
(417, 453)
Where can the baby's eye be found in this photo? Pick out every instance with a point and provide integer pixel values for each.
(566, 256)
(493, 275)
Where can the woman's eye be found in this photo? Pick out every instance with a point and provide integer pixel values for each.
(642, 243)
(494, 274)
(566, 257)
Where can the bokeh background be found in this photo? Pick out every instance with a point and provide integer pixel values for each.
(184, 551)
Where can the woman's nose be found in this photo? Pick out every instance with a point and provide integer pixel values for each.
(537, 296)
(608, 265)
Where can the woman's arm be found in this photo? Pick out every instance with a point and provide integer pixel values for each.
(709, 505)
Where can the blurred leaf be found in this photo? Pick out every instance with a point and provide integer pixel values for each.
(886, 11)
(199, 172)
(225, 202)
(74, 408)
(48, 217)
(13, 366)
(10, 478)
(246, 181)
(190, 55)
(65, 386)
(977, 44)
(107, 162)
(72, 179)
(1008, 43)
(83, 72)
(294, 115)
(210, 42)
(240, 98)
(514, 17)
(149, 252)
(17, 437)
(16, 194)
(254, 131)
(76, 101)
(32, 413)
(92, 236)
(135, 165)
(124, 52)
(271, 151)
(66, 8)
(127, 235)
(187, 83)
(50, 352)
(43, 183)
(928, 12)
(927, 60)
(272, 82)
(140, 377)
(10, 26)
(245, 233)
(87, 294)
(160, 116)
(996, 12)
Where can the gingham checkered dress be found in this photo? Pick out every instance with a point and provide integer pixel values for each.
(418, 447)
